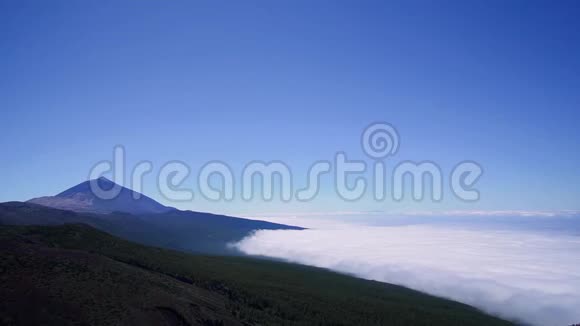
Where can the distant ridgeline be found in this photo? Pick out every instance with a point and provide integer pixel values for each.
(135, 217)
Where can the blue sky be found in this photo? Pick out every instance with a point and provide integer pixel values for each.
(491, 81)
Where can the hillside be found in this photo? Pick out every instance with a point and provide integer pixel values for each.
(175, 229)
(74, 274)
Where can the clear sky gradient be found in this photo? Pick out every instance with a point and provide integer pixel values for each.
(497, 82)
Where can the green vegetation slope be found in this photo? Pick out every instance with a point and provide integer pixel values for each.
(77, 275)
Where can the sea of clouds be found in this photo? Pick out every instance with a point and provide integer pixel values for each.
(518, 274)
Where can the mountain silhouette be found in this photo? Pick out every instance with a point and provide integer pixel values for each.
(136, 217)
(84, 198)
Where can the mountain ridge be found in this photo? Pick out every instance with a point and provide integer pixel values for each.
(141, 220)
(82, 198)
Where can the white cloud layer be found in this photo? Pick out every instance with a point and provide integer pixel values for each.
(528, 276)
